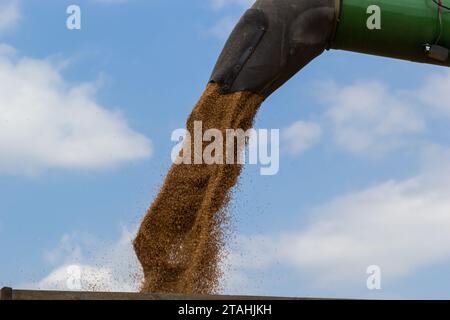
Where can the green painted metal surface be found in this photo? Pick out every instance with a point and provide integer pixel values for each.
(393, 28)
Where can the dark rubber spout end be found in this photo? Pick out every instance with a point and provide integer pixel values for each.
(272, 42)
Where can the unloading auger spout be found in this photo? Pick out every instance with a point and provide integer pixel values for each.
(277, 38)
(181, 241)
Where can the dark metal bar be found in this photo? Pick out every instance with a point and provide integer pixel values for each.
(13, 294)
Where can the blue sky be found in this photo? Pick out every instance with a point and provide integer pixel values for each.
(85, 123)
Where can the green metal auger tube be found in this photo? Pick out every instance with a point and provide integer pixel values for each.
(277, 38)
(416, 30)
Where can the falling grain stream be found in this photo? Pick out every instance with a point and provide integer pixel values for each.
(180, 243)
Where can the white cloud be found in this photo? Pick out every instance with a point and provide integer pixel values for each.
(401, 226)
(48, 123)
(111, 1)
(301, 136)
(9, 14)
(434, 92)
(367, 118)
(7, 50)
(219, 4)
(223, 27)
(110, 268)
